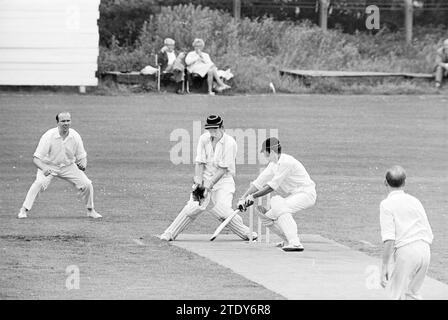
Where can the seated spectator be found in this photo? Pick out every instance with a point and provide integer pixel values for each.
(442, 64)
(178, 70)
(167, 55)
(200, 63)
(172, 68)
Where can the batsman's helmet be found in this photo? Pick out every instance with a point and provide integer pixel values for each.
(213, 121)
(271, 144)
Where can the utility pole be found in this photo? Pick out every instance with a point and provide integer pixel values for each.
(237, 10)
(408, 19)
(323, 8)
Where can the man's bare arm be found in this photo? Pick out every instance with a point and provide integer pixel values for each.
(264, 191)
(388, 250)
(198, 172)
(252, 189)
(216, 177)
(39, 164)
(42, 166)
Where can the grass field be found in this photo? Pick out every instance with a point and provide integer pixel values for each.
(345, 142)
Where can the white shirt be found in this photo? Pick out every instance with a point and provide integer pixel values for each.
(288, 174)
(193, 60)
(171, 57)
(224, 155)
(52, 150)
(403, 219)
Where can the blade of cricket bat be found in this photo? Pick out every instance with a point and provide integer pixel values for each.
(223, 224)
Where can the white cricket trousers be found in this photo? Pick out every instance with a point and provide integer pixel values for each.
(282, 209)
(70, 173)
(411, 265)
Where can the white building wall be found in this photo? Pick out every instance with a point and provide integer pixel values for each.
(49, 42)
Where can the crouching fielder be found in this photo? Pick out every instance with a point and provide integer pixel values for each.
(60, 153)
(214, 171)
(286, 173)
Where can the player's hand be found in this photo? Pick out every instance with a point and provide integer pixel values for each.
(198, 193)
(47, 171)
(81, 166)
(384, 276)
(241, 205)
(197, 180)
(249, 201)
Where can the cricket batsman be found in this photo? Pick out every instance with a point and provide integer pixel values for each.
(213, 182)
(287, 174)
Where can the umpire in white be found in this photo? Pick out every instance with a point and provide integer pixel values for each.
(60, 153)
(407, 235)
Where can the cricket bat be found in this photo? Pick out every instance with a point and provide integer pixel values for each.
(224, 224)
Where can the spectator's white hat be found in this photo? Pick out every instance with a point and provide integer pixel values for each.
(169, 41)
(198, 42)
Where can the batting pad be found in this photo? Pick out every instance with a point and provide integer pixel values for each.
(188, 214)
(271, 224)
(276, 229)
(287, 224)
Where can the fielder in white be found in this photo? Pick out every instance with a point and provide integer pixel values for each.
(60, 153)
(283, 173)
(214, 170)
(407, 235)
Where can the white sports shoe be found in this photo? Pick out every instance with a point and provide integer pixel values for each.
(280, 244)
(292, 247)
(93, 214)
(166, 237)
(22, 213)
(254, 236)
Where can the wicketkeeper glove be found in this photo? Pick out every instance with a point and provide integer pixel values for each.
(198, 193)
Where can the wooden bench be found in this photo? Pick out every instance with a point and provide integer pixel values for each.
(308, 75)
(133, 77)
